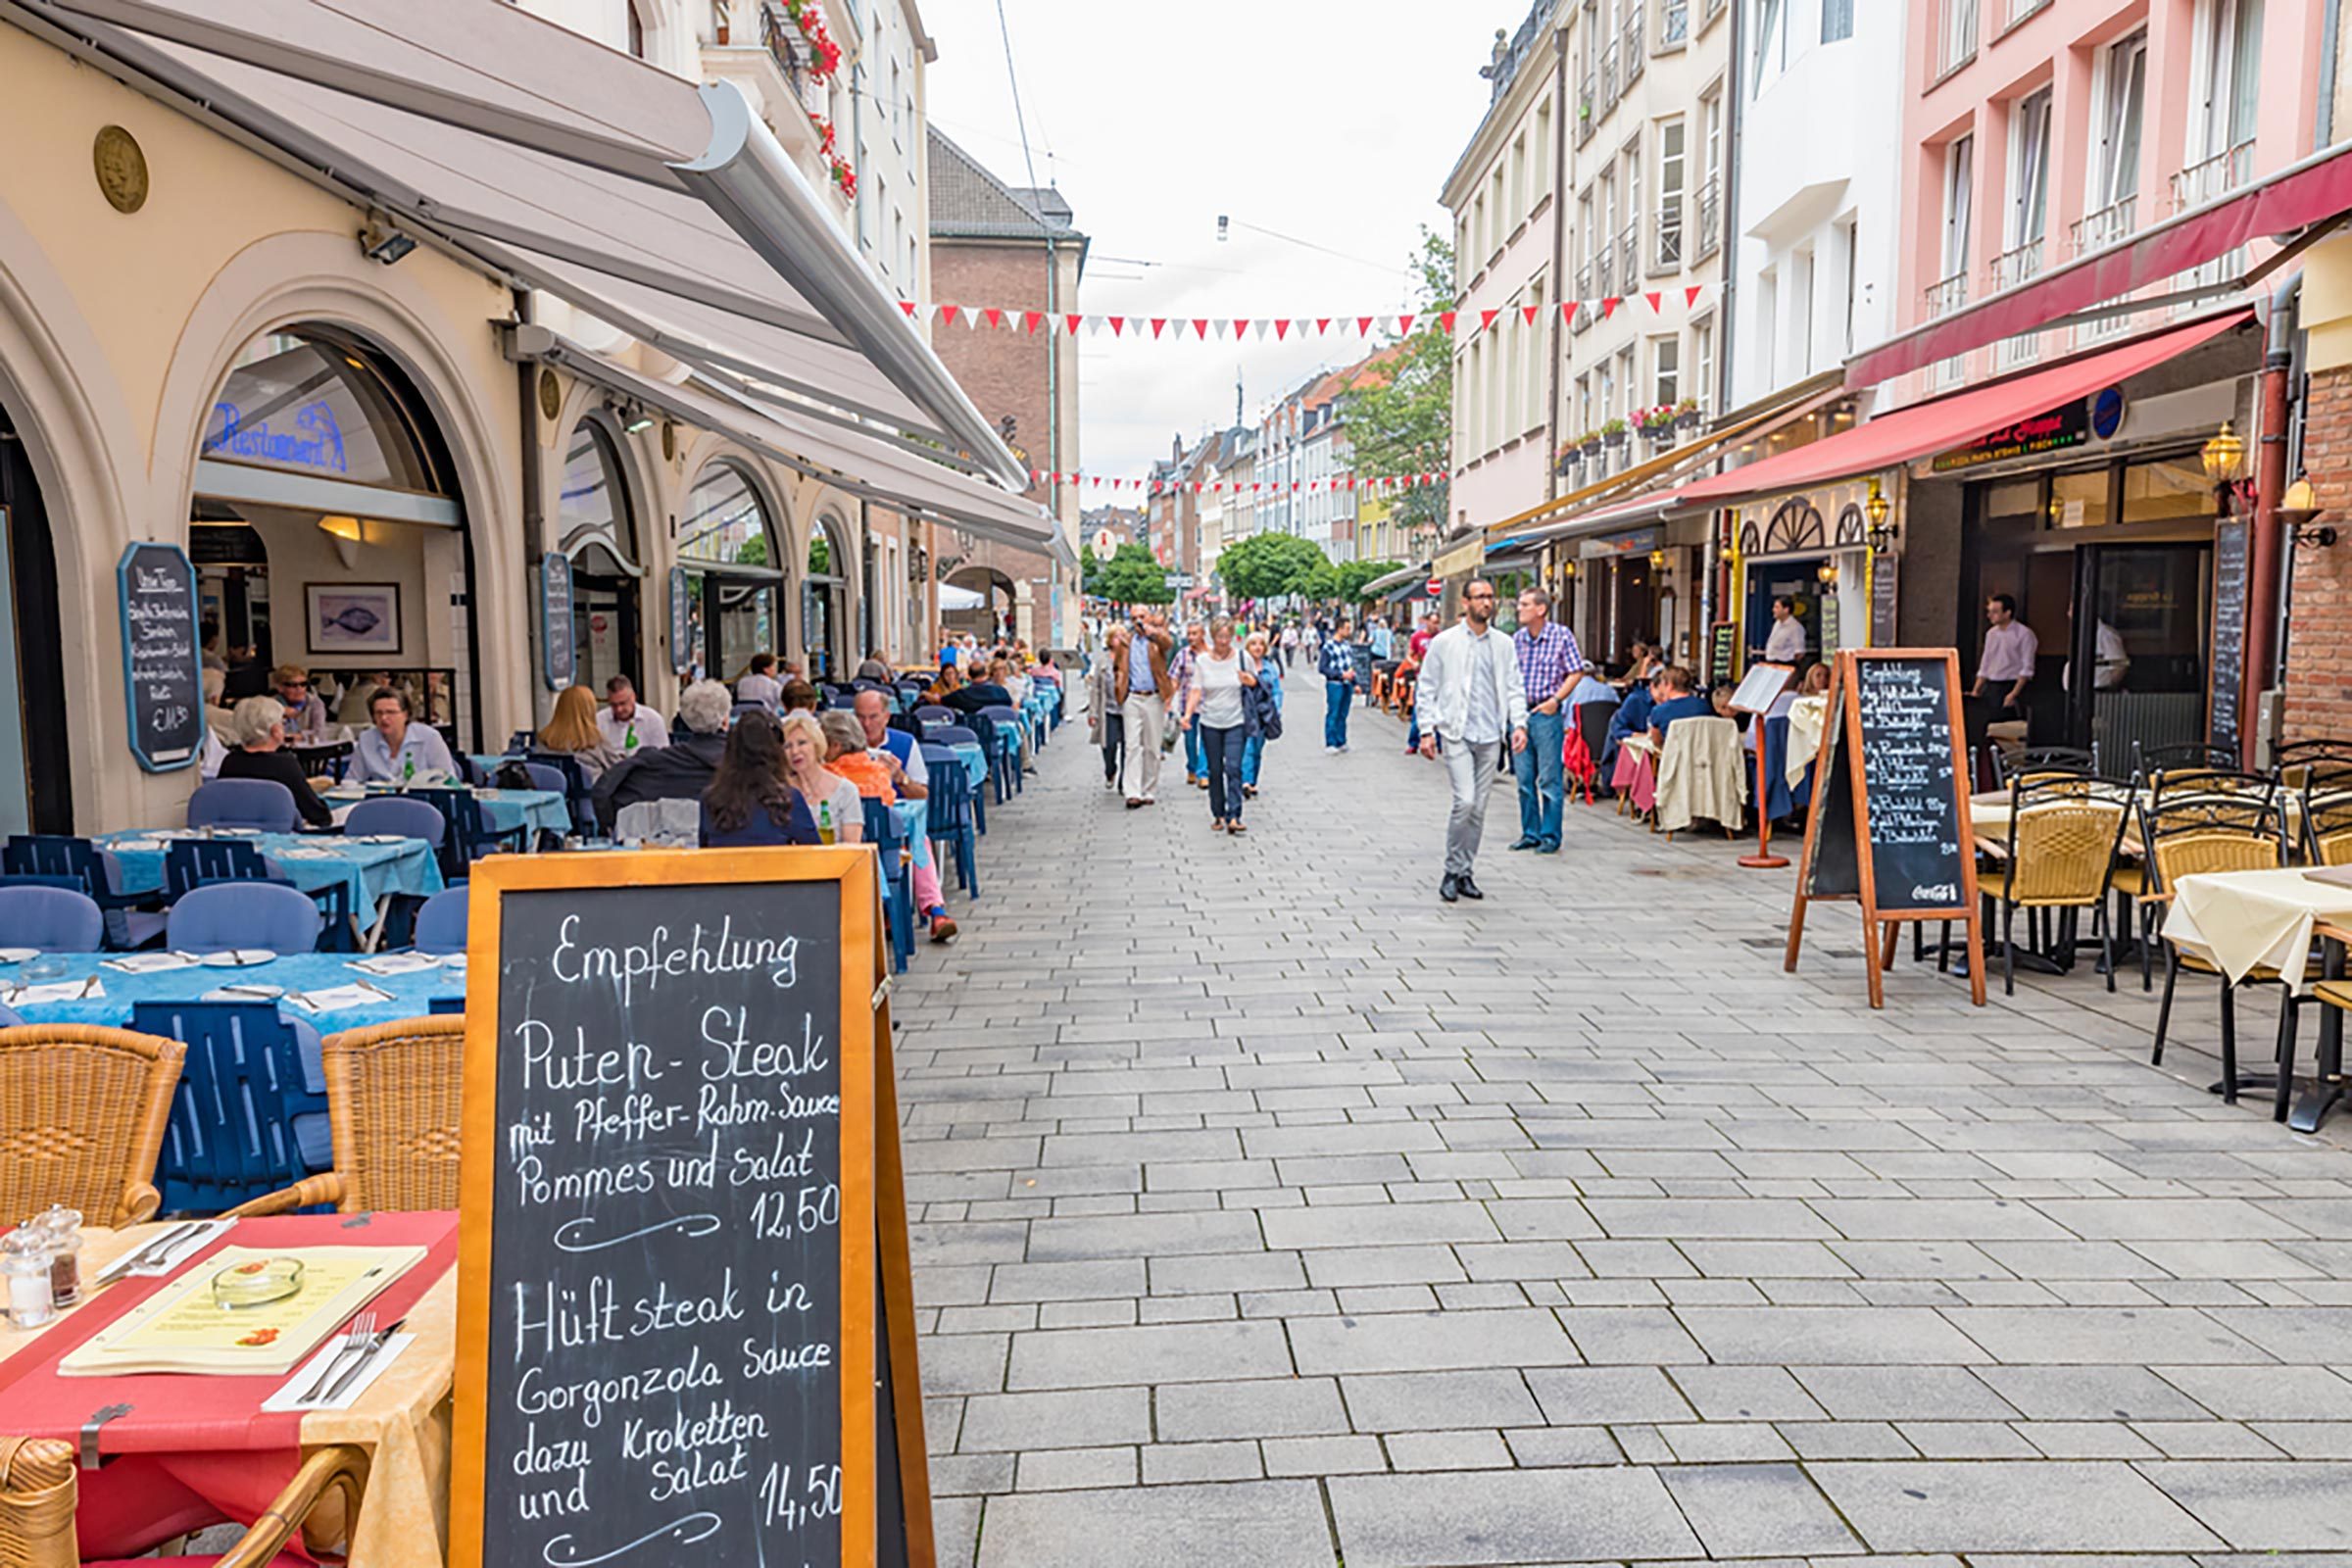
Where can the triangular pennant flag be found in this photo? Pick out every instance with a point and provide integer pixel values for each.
(1159, 325)
(1258, 327)
(1690, 295)
(1069, 324)
(1322, 325)
(1608, 305)
(1031, 321)
(1404, 324)
(1446, 318)
(1282, 328)
(908, 307)
(1656, 305)
(994, 317)
(1097, 481)
(1527, 312)
(1201, 326)
(947, 314)
(1239, 325)
(1118, 324)
(1363, 326)
(1486, 319)
(1568, 310)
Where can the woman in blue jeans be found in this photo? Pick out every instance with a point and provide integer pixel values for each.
(1218, 709)
(1269, 678)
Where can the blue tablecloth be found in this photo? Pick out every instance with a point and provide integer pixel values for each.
(309, 860)
(912, 815)
(974, 759)
(410, 994)
(502, 809)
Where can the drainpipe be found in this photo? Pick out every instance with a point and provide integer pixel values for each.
(534, 514)
(1559, 258)
(2266, 585)
(2331, 33)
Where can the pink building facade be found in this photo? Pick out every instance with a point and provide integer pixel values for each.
(2035, 130)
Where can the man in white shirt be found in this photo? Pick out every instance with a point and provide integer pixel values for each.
(759, 684)
(2010, 647)
(1471, 696)
(625, 724)
(1784, 644)
(398, 750)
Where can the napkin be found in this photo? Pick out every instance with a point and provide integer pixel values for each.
(151, 962)
(183, 1246)
(390, 964)
(57, 991)
(334, 999)
(290, 1396)
(306, 855)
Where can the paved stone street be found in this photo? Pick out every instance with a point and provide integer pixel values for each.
(1269, 1212)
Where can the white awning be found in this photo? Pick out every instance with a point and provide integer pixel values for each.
(459, 117)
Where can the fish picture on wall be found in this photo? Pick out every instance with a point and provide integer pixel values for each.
(353, 618)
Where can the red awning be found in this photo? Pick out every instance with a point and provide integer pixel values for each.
(1947, 423)
(2317, 189)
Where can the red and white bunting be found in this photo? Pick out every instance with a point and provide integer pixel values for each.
(1457, 324)
(1256, 487)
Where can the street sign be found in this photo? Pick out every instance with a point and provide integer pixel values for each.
(1436, 587)
(1179, 579)
(1106, 544)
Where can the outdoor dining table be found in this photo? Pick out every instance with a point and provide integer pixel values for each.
(974, 759)
(370, 868)
(502, 811)
(180, 1452)
(92, 989)
(914, 817)
(2242, 920)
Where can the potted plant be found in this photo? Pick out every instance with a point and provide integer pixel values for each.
(1656, 425)
(1590, 443)
(1686, 413)
(1568, 459)
(1613, 433)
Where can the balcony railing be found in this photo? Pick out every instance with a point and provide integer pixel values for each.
(1946, 295)
(1670, 238)
(1674, 24)
(783, 42)
(1586, 110)
(1628, 252)
(2102, 229)
(1957, 45)
(1608, 79)
(1714, 10)
(2215, 177)
(1583, 292)
(1710, 215)
(1604, 272)
(2012, 267)
(1636, 44)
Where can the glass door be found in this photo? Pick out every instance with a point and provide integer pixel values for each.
(2139, 630)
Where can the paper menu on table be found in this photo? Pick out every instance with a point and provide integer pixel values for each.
(182, 1329)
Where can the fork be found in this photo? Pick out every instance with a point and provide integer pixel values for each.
(362, 1329)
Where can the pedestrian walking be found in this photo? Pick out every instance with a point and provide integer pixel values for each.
(1269, 700)
(1549, 666)
(1217, 712)
(1106, 725)
(1472, 699)
(1338, 664)
(1290, 642)
(1146, 686)
(1196, 640)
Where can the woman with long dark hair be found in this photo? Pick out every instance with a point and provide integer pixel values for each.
(749, 802)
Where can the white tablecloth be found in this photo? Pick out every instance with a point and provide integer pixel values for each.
(2240, 919)
(1806, 716)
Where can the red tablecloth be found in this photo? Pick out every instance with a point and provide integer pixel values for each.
(196, 1449)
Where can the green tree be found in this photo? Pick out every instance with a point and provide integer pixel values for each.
(1131, 576)
(1353, 575)
(752, 552)
(1405, 424)
(1268, 564)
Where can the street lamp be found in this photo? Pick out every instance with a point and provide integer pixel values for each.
(2298, 508)
(1877, 508)
(2223, 456)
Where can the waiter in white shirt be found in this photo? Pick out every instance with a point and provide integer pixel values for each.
(2003, 672)
(1471, 696)
(1784, 644)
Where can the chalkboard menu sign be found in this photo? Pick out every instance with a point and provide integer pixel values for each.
(670, 1277)
(559, 649)
(1890, 824)
(1829, 621)
(1723, 650)
(163, 662)
(1886, 577)
(2228, 665)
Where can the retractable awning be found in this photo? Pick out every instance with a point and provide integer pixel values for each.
(2316, 190)
(1947, 423)
(472, 122)
(1398, 579)
(861, 464)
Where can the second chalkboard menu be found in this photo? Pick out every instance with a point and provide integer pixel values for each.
(1891, 823)
(672, 1288)
(163, 661)
(2229, 633)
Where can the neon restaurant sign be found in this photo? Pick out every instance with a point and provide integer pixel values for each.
(314, 443)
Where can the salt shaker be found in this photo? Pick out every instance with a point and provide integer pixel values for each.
(24, 1273)
(63, 1227)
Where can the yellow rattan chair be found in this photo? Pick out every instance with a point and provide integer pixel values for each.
(2200, 835)
(2064, 830)
(82, 1112)
(39, 1488)
(392, 1102)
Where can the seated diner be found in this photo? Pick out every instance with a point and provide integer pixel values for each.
(397, 750)
(260, 753)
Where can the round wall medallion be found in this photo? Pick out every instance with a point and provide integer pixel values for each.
(551, 394)
(669, 441)
(121, 168)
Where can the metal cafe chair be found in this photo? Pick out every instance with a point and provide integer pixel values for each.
(2204, 834)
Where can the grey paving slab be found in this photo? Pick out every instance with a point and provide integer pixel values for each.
(2124, 1336)
(2002, 1505)
(1275, 1407)
(1758, 1510)
(1404, 1402)
(1830, 1336)
(1421, 1342)
(1504, 1517)
(2264, 1506)
(1072, 1420)
(1276, 1523)
(1186, 1352)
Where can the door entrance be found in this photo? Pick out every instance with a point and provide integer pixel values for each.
(35, 785)
(1796, 579)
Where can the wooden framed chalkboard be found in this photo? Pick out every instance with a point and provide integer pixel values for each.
(1890, 826)
(683, 1261)
(163, 664)
(2227, 667)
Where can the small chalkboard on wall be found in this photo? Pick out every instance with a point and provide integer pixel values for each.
(685, 1323)
(162, 661)
(1890, 826)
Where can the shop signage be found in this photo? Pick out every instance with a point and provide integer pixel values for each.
(1722, 657)
(163, 664)
(1829, 620)
(684, 1317)
(2228, 662)
(2064, 426)
(316, 442)
(1641, 541)
(559, 653)
(1885, 577)
(681, 623)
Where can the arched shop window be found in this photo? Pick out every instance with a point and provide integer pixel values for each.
(726, 542)
(824, 602)
(327, 527)
(596, 526)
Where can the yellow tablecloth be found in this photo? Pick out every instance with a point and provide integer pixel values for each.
(2240, 919)
(402, 1420)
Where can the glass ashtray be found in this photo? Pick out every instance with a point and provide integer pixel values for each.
(256, 1282)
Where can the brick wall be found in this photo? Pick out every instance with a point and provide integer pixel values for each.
(1002, 372)
(2319, 648)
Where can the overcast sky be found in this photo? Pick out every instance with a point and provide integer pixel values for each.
(1333, 123)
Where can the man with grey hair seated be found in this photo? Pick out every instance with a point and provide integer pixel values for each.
(678, 771)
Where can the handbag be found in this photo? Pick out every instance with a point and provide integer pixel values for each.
(1269, 712)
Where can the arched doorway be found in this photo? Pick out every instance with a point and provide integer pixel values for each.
(327, 527)
(597, 528)
(981, 604)
(36, 794)
(824, 602)
(727, 543)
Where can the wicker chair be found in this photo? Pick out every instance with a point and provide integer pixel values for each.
(39, 1488)
(392, 1101)
(83, 1114)
(2328, 825)
(2196, 836)
(2064, 831)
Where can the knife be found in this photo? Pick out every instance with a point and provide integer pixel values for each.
(160, 1247)
(367, 1354)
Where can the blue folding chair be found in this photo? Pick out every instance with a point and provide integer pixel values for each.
(249, 1116)
(897, 894)
(244, 915)
(51, 919)
(441, 922)
(263, 804)
(555, 770)
(961, 735)
(1005, 758)
(131, 918)
(446, 1005)
(932, 714)
(409, 819)
(470, 835)
(192, 864)
(949, 817)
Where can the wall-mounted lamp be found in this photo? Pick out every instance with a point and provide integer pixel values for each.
(2225, 456)
(637, 422)
(2298, 508)
(1657, 559)
(380, 241)
(1827, 571)
(1568, 569)
(1877, 508)
(346, 533)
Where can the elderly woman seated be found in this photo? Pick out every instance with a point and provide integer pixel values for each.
(878, 776)
(260, 726)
